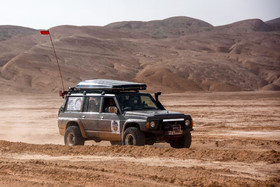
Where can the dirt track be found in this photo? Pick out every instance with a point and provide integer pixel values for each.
(236, 142)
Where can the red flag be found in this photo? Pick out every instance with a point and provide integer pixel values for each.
(45, 32)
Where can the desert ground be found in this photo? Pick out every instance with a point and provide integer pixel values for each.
(236, 142)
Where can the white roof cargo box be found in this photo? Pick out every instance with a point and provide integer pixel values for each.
(110, 85)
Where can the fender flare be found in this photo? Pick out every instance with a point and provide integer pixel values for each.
(80, 125)
(133, 123)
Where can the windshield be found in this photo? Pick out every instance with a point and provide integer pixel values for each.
(136, 101)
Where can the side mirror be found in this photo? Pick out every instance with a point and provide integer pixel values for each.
(113, 109)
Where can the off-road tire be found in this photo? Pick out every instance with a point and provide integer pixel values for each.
(182, 142)
(133, 136)
(73, 136)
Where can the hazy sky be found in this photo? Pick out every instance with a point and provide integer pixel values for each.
(44, 14)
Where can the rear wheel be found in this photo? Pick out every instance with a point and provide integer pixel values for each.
(133, 136)
(182, 142)
(73, 136)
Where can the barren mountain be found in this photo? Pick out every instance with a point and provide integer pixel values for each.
(171, 27)
(8, 31)
(173, 55)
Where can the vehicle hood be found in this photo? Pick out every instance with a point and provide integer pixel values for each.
(154, 113)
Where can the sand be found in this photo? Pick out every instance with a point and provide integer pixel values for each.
(236, 142)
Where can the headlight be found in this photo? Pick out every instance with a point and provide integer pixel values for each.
(187, 122)
(153, 124)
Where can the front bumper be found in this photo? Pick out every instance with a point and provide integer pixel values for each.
(168, 133)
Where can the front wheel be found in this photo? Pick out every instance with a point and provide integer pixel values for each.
(133, 136)
(73, 136)
(182, 142)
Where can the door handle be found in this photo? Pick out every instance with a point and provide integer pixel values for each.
(83, 116)
(102, 117)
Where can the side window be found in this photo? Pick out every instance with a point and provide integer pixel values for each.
(108, 102)
(74, 103)
(92, 104)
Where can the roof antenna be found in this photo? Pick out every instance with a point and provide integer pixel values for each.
(63, 92)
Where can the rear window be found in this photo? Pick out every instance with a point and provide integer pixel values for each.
(74, 103)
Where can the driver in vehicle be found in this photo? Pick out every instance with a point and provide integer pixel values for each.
(110, 104)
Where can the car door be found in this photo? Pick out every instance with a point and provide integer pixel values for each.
(90, 115)
(110, 122)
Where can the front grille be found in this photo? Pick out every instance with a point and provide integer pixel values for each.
(169, 126)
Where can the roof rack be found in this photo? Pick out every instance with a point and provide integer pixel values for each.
(100, 85)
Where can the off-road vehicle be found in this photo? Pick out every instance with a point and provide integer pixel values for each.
(116, 111)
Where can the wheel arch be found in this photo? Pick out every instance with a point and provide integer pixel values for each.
(78, 124)
(130, 124)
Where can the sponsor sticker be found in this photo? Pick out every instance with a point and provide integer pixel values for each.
(115, 126)
(74, 103)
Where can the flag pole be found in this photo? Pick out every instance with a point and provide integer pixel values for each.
(58, 66)
(47, 32)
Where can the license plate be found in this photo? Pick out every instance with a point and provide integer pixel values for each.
(175, 131)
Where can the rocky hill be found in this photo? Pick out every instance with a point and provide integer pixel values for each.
(173, 55)
(7, 31)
